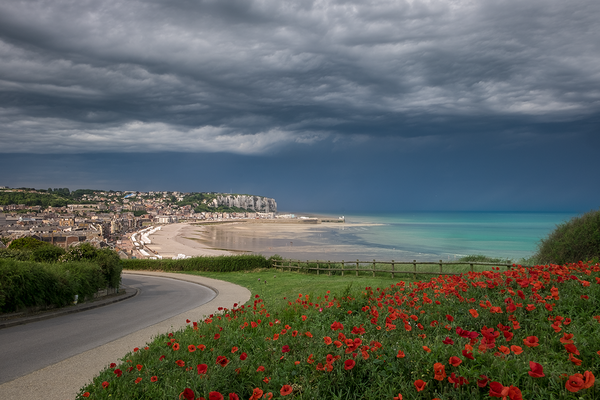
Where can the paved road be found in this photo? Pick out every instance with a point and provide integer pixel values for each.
(28, 348)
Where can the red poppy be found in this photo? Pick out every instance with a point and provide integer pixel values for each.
(243, 356)
(181, 363)
(285, 349)
(349, 364)
(420, 385)
(440, 371)
(399, 397)
(217, 336)
(588, 379)
(448, 340)
(468, 355)
(498, 390)
(256, 394)
(567, 338)
(154, 378)
(201, 347)
(285, 390)
(105, 385)
(222, 361)
(537, 371)
(482, 381)
(574, 360)
(400, 354)
(188, 394)
(191, 348)
(571, 348)
(531, 341)
(233, 396)
(575, 383)
(86, 394)
(516, 349)
(112, 365)
(514, 393)
(455, 361)
(427, 349)
(138, 380)
(215, 396)
(202, 368)
(139, 367)
(474, 313)
(260, 369)
(118, 372)
(234, 349)
(327, 340)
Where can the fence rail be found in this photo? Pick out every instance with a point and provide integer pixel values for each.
(379, 266)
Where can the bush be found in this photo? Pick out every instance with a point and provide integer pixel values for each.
(48, 254)
(572, 241)
(29, 284)
(108, 260)
(19, 255)
(212, 264)
(27, 243)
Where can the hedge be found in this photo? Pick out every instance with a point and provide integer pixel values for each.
(26, 284)
(212, 264)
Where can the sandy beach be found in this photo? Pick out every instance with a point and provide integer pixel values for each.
(174, 239)
(289, 240)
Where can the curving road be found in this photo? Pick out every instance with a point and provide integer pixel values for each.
(31, 347)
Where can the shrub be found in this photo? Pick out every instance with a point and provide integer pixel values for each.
(213, 264)
(19, 255)
(29, 284)
(575, 240)
(27, 243)
(47, 254)
(108, 260)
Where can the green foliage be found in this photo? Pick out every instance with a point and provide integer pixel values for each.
(34, 199)
(139, 213)
(27, 242)
(572, 241)
(29, 284)
(483, 258)
(47, 254)
(108, 260)
(215, 264)
(19, 255)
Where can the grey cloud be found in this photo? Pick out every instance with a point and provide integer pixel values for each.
(250, 76)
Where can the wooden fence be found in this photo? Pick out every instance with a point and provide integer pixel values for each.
(374, 266)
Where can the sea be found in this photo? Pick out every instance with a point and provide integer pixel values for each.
(431, 236)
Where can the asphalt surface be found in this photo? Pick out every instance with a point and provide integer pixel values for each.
(35, 345)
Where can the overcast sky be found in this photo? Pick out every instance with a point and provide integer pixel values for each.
(323, 105)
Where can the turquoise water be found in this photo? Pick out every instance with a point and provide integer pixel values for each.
(431, 236)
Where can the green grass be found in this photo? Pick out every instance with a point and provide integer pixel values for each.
(273, 286)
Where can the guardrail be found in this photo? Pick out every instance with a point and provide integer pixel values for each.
(374, 266)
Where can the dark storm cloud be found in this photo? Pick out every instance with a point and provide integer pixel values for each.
(250, 76)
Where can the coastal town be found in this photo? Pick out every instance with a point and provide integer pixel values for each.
(118, 219)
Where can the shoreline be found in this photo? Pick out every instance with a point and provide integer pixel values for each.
(290, 239)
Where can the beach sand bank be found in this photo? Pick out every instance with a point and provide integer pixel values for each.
(289, 240)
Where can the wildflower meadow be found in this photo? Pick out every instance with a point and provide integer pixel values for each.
(523, 333)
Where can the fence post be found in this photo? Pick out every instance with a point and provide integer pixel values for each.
(307, 265)
(471, 267)
(356, 267)
(415, 267)
(441, 267)
(392, 269)
(317, 267)
(329, 267)
(342, 267)
(373, 268)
